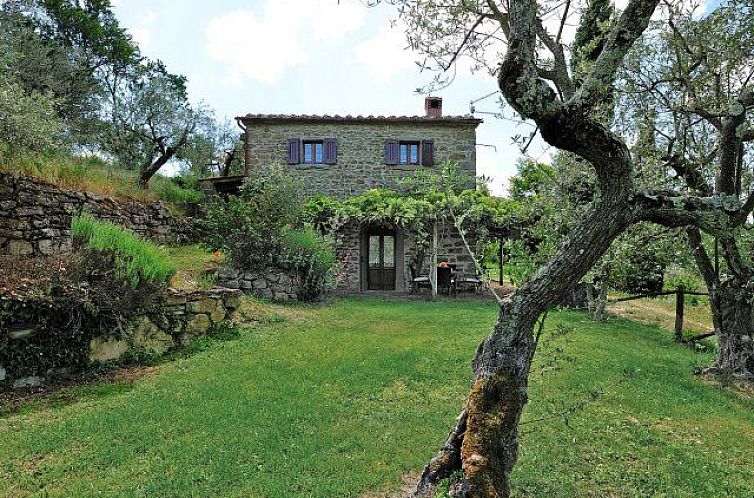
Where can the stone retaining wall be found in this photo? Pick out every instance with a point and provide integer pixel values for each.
(35, 217)
(185, 317)
(275, 284)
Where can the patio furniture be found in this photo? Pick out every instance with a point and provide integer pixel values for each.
(420, 282)
(466, 281)
(445, 279)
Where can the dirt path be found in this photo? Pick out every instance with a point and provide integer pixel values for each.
(662, 314)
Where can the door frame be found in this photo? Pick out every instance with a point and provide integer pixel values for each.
(386, 229)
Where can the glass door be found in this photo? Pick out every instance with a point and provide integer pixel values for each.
(381, 274)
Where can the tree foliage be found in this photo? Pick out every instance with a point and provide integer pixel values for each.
(105, 95)
(265, 226)
(27, 121)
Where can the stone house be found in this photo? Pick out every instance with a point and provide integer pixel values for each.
(342, 156)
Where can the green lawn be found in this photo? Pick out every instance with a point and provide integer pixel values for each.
(343, 399)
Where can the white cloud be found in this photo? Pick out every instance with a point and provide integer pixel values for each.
(141, 32)
(263, 46)
(386, 54)
(141, 36)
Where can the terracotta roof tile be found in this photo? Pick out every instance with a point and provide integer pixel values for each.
(326, 118)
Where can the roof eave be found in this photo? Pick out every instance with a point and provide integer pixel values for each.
(449, 120)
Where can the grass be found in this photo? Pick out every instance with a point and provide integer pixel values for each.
(135, 258)
(195, 265)
(92, 174)
(660, 312)
(344, 399)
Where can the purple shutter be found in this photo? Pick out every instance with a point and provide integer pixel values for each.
(331, 151)
(428, 153)
(294, 151)
(391, 152)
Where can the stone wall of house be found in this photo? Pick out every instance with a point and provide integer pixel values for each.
(185, 317)
(35, 217)
(361, 151)
(450, 248)
(274, 284)
(348, 252)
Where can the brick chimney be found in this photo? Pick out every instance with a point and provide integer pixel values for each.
(433, 107)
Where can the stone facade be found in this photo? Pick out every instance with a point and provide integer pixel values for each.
(274, 284)
(360, 163)
(35, 217)
(353, 253)
(185, 317)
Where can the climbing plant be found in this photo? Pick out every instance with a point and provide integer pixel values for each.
(422, 202)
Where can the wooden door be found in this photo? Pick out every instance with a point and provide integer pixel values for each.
(381, 257)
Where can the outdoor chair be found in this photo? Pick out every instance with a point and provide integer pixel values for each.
(466, 281)
(420, 282)
(445, 280)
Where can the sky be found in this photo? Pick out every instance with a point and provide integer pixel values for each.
(310, 57)
(320, 57)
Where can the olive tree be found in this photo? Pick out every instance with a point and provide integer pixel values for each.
(691, 78)
(152, 121)
(525, 51)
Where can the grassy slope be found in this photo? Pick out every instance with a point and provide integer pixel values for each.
(95, 176)
(660, 312)
(193, 262)
(346, 398)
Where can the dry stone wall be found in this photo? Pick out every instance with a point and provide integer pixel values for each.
(274, 284)
(35, 217)
(184, 317)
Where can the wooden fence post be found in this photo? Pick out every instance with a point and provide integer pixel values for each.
(679, 301)
(502, 261)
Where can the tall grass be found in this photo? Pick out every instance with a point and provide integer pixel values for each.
(136, 259)
(92, 174)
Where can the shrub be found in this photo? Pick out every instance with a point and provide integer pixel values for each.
(176, 190)
(312, 256)
(67, 301)
(681, 279)
(135, 259)
(249, 228)
(262, 228)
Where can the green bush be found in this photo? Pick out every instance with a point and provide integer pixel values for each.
(70, 300)
(262, 227)
(136, 259)
(176, 190)
(682, 279)
(312, 256)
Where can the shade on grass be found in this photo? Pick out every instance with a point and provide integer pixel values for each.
(346, 398)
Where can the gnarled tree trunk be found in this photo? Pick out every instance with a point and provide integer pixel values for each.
(732, 305)
(484, 444)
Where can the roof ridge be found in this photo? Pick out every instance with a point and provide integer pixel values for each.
(360, 117)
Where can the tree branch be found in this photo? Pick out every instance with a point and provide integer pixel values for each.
(631, 24)
(716, 215)
(690, 172)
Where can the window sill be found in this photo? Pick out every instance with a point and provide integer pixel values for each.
(405, 167)
(311, 166)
